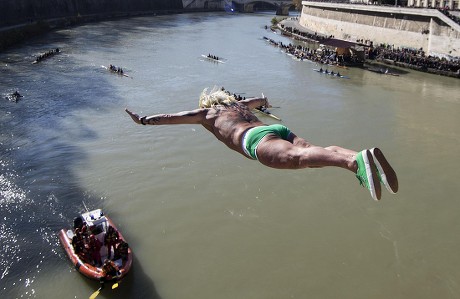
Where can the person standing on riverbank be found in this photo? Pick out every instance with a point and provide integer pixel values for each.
(233, 123)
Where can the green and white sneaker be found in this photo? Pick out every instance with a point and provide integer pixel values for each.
(386, 173)
(367, 173)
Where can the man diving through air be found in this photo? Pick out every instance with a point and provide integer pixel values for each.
(233, 123)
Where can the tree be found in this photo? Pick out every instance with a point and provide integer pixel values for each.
(298, 4)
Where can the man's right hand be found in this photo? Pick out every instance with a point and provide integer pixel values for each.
(267, 105)
(134, 116)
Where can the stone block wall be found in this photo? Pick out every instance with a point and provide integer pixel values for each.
(399, 29)
(13, 12)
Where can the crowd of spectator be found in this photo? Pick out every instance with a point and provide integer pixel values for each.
(413, 57)
(403, 57)
(446, 12)
(303, 34)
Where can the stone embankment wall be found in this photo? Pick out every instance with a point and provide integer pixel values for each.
(401, 27)
(22, 19)
(14, 12)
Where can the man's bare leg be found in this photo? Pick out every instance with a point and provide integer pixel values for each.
(341, 150)
(278, 153)
(298, 141)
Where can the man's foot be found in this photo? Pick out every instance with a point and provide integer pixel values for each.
(387, 174)
(367, 174)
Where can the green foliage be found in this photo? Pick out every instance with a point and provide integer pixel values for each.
(298, 4)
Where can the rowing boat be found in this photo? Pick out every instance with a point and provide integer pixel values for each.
(46, 55)
(97, 225)
(381, 71)
(329, 73)
(14, 97)
(262, 110)
(267, 113)
(212, 59)
(341, 66)
(115, 72)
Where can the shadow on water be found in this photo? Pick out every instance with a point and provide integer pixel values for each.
(39, 192)
(111, 35)
(135, 285)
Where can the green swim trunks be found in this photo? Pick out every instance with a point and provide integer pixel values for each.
(252, 137)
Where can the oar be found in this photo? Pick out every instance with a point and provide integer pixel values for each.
(115, 285)
(94, 295)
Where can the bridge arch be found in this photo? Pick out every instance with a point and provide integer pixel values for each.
(281, 7)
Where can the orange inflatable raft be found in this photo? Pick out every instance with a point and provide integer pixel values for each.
(97, 224)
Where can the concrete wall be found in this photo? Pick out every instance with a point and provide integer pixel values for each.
(23, 19)
(204, 4)
(14, 12)
(402, 27)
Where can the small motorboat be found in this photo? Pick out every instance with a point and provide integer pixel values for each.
(88, 227)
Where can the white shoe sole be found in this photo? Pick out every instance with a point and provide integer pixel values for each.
(372, 177)
(388, 175)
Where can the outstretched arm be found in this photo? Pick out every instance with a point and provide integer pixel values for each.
(252, 103)
(197, 116)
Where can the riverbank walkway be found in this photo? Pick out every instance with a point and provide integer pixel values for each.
(383, 53)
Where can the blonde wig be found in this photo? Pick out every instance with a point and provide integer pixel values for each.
(217, 96)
